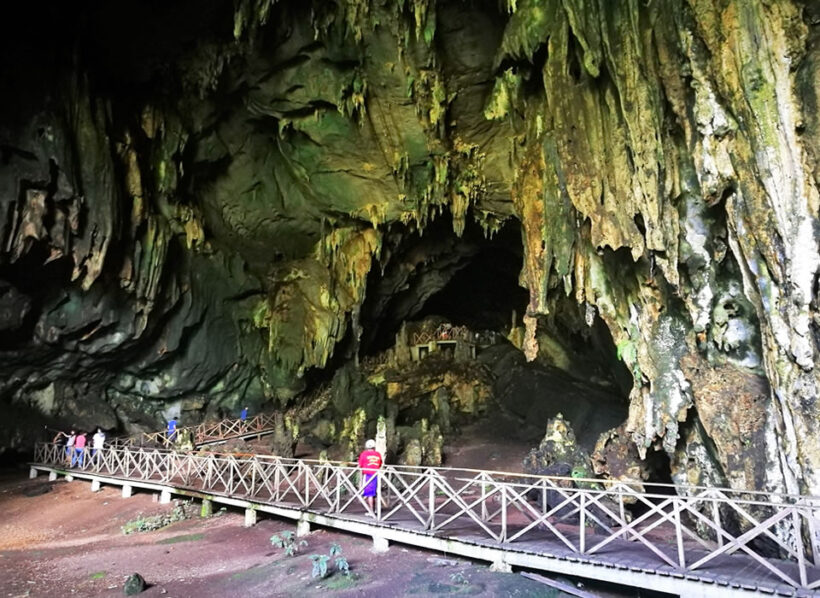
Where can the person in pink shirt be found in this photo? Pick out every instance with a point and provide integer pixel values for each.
(370, 461)
(79, 450)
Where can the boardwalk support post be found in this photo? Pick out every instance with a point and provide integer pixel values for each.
(52, 476)
(500, 567)
(207, 508)
(380, 544)
(165, 497)
(32, 473)
(127, 491)
(69, 478)
(302, 528)
(95, 485)
(250, 517)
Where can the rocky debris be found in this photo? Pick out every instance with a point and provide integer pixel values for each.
(558, 450)
(38, 489)
(412, 454)
(422, 444)
(135, 584)
(616, 457)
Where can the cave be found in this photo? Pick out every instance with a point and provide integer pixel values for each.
(471, 279)
(575, 239)
(247, 207)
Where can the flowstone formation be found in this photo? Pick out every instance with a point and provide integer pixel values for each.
(207, 204)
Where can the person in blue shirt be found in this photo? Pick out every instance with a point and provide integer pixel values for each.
(172, 429)
(243, 415)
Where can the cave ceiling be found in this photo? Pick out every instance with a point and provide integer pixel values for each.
(200, 202)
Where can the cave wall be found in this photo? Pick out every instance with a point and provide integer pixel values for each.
(195, 201)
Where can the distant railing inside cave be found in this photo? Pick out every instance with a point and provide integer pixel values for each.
(690, 532)
(204, 433)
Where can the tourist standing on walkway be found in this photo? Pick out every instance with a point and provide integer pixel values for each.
(97, 442)
(370, 461)
(172, 430)
(79, 450)
(243, 415)
(70, 439)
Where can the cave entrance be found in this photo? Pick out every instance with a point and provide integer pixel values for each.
(484, 293)
(456, 301)
(468, 281)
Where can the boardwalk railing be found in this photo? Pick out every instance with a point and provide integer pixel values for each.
(775, 537)
(204, 433)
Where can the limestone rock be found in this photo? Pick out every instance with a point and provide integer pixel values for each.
(557, 450)
(412, 454)
(135, 584)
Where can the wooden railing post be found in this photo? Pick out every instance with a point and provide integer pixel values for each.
(431, 495)
(378, 496)
(679, 535)
(337, 473)
(582, 539)
(797, 532)
(277, 479)
(485, 514)
(716, 519)
(503, 488)
(813, 516)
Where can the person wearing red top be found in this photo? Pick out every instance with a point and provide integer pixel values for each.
(370, 460)
(79, 450)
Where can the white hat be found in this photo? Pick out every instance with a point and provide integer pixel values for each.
(370, 444)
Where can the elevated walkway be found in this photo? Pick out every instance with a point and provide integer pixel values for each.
(206, 433)
(688, 543)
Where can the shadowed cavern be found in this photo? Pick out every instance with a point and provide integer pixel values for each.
(208, 204)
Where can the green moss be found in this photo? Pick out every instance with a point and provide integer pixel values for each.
(343, 582)
(504, 96)
(183, 538)
(528, 27)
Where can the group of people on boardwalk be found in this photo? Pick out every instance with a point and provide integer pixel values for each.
(76, 444)
(370, 460)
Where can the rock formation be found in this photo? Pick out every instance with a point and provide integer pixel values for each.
(208, 203)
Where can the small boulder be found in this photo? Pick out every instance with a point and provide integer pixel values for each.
(134, 584)
(412, 453)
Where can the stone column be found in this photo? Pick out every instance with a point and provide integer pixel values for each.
(127, 491)
(500, 567)
(165, 497)
(52, 476)
(302, 528)
(207, 508)
(380, 544)
(32, 473)
(95, 485)
(250, 517)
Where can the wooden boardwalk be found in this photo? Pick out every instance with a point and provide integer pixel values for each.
(204, 434)
(697, 542)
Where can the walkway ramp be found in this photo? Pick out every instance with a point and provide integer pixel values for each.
(206, 433)
(696, 542)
